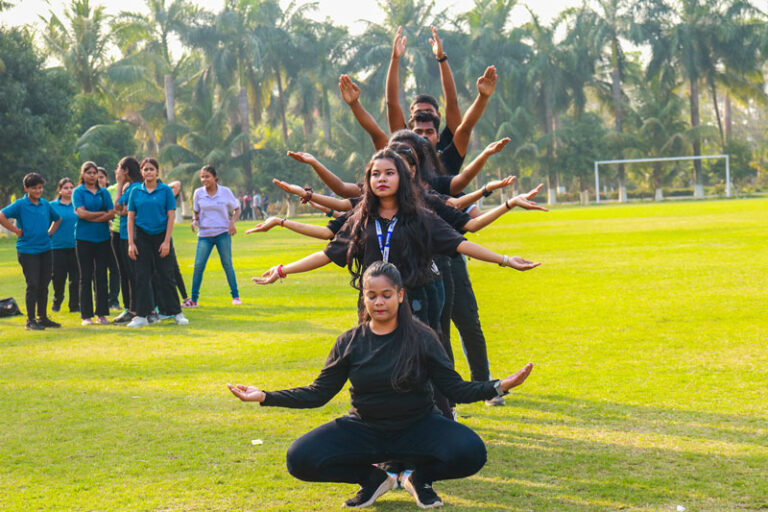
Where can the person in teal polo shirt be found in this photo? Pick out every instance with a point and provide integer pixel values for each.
(113, 271)
(128, 177)
(94, 209)
(36, 221)
(63, 242)
(151, 213)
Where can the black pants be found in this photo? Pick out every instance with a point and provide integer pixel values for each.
(37, 273)
(65, 265)
(154, 272)
(466, 318)
(127, 275)
(177, 274)
(92, 261)
(344, 450)
(113, 268)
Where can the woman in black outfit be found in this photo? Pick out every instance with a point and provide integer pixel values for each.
(391, 361)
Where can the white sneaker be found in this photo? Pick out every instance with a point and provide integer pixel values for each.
(138, 321)
(496, 401)
(180, 319)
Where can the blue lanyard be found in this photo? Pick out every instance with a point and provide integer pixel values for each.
(384, 244)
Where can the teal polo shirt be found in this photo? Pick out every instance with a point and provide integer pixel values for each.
(86, 230)
(124, 201)
(152, 207)
(64, 237)
(33, 220)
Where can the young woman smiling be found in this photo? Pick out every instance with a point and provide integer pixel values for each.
(392, 361)
(63, 243)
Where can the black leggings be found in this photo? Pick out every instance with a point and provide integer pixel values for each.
(127, 273)
(65, 264)
(345, 449)
(113, 267)
(92, 260)
(154, 272)
(37, 273)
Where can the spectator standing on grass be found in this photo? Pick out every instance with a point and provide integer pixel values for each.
(256, 204)
(216, 211)
(113, 269)
(63, 244)
(36, 221)
(128, 177)
(94, 209)
(246, 206)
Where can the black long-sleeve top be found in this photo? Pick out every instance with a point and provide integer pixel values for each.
(367, 360)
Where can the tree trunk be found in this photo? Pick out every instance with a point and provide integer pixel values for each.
(326, 116)
(170, 101)
(698, 176)
(656, 180)
(281, 101)
(616, 93)
(245, 128)
(727, 115)
(548, 161)
(713, 91)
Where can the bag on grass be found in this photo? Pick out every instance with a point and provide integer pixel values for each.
(8, 307)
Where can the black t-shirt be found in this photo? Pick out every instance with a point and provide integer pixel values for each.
(451, 159)
(368, 361)
(453, 216)
(335, 224)
(446, 137)
(444, 240)
(441, 184)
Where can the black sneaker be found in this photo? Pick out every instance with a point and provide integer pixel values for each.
(369, 492)
(47, 322)
(33, 326)
(153, 317)
(123, 318)
(425, 496)
(55, 307)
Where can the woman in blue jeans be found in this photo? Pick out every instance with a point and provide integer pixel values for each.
(216, 210)
(392, 361)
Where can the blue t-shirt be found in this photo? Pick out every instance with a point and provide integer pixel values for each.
(33, 220)
(124, 201)
(64, 237)
(99, 202)
(152, 207)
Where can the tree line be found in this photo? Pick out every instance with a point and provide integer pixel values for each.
(611, 79)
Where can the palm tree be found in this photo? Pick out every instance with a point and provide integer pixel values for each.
(80, 42)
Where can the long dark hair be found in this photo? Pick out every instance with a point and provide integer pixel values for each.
(411, 224)
(131, 164)
(429, 161)
(413, 334)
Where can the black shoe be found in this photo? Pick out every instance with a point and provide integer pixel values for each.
(33, 326)
(369, 492)
(55, 307)
(153, 317)
(426, 497)
(47, 322)
(123, 318)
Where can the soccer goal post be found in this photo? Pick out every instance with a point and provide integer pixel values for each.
(665, 159)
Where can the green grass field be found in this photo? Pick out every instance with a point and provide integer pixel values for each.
(646, 323)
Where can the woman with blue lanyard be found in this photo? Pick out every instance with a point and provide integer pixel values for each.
(212, 205)
(36, 221)
(129, 178)
(94, 209)
(63, 243)
(151, 213)
(392, 363)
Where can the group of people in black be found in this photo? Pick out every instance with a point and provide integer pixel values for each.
(102, 240)
(399, 232)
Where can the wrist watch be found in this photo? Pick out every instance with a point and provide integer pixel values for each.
(499, 391)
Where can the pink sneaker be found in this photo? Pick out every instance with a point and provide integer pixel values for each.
(189, 303)
(87, 321)
(237, 302)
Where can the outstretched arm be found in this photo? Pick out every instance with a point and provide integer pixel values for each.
(467, 199)
(465, 177)
(523, 201)
(342, 188)
(486, 84)
(312, 230)
(452, 111)
(350, 92)
(479, 252)
(333, 203)
(395, 117)
(311, 262)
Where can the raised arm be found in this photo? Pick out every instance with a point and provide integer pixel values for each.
(467, 199)
(479, 252)
(523, 201)
(333, 203)
(452, 111)
(465, 177)
(486, 84)
(395, 117)
(350, 92)
(342, 188)
(306, 264)
(312, 230)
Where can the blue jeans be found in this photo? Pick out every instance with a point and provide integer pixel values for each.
(205, 244)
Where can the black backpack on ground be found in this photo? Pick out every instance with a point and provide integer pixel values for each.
(8, 307)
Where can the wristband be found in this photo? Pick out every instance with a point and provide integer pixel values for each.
(485, 192)
(504, 261)
(330, 213)
(499, 390)
(308, 196)
(506, 203)
(280, 273)
(282, 223)
(443, 58)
